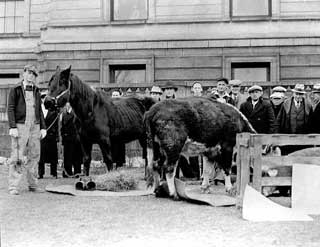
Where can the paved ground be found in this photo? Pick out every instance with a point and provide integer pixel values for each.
(60, 220)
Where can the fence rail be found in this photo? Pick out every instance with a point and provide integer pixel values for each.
(249, 147)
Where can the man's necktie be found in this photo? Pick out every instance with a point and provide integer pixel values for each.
(28, 88)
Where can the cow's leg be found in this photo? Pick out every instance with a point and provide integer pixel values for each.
(208, 171)
(153, 175)
(170, 175)
(145, 156)
(226, 156)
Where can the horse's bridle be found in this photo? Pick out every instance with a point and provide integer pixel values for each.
(63, 93)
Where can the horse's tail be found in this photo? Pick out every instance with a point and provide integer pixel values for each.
(148, 102)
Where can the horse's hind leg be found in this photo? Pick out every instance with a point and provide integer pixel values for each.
(105, 148)
(86, 148)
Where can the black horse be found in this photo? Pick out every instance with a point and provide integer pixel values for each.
(102, 120)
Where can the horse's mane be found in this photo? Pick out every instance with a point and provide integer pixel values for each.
(80, 88)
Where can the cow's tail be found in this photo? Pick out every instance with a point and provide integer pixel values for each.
(245, 124)
(247, 127)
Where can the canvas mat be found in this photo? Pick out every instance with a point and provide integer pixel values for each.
(70, 190)
(192, 193)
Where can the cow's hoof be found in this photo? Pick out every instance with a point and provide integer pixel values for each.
(232, 191)
(205, 190)
(162, 191)
(175, 197)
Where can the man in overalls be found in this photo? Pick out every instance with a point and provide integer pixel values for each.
(27, 126)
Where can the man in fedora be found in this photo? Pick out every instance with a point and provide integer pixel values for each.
(156, 93)
(169, 90)
(293, 116)
(314, 119)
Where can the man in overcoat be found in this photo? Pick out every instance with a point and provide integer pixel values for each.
(259, 111)
(314, 119)
(293, 117)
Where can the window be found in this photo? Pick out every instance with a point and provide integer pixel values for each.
(251, 71)
(128, 74)
(129, 10)
(252, 8)
(11, 16)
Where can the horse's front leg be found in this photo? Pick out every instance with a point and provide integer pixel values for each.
(105, 148)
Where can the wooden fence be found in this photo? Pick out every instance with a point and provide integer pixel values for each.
(249, 147)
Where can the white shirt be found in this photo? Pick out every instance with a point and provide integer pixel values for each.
(44, 110)
(254, 103)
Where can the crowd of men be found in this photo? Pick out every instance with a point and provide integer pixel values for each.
(27, 117)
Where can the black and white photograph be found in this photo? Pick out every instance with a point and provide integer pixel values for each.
(159, 123)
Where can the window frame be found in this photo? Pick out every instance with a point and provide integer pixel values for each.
(251, 65)
(106, 64)
(232, 16)
(128, 20)
(15, 17)
(273, 59)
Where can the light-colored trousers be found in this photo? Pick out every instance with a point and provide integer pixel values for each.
(26, 148)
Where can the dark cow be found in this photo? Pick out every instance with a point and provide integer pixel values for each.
(171, 123)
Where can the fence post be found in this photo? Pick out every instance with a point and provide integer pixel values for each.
(256, 161)
(243, 165)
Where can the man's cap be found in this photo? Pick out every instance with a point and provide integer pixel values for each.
(235, 82)
(223, 79)
(279, 89)
(255, 88)
(276, 95)
(169, 85)
(316, 88)
(31, 67)
(156, 89)
(299, 88)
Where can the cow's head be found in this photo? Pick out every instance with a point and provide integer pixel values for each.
(172, 135)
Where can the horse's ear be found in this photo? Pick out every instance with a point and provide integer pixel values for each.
(66, 73)
(58, 68)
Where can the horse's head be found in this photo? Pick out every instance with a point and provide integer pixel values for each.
(59, 89)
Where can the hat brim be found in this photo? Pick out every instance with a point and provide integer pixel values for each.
(298, 91)
(34, 72)
(175, 88)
